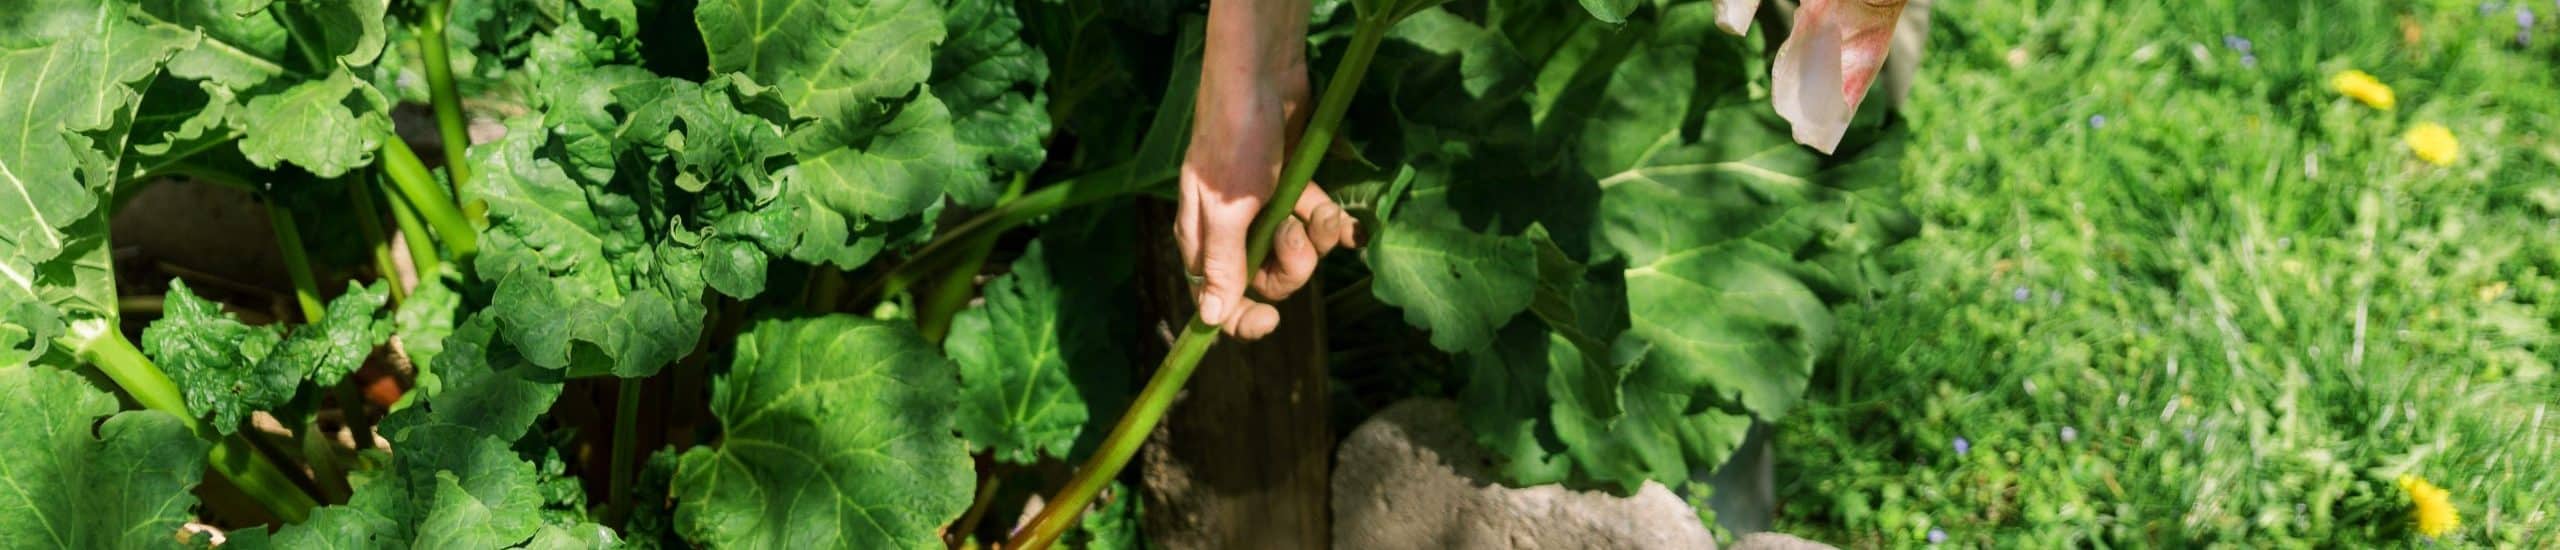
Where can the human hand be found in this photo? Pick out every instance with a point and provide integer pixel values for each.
(1253, 98)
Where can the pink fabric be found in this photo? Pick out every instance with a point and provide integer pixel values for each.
(1823, 70)
(1734, 16)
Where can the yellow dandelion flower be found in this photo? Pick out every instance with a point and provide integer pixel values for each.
(2490, 292)
(2363, 87)
(2433, 143)
(2430, 506)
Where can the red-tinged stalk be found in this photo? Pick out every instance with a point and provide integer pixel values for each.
(990, 480)
(447, 99)
(410, 178)
(626, 448)
(1060, 513)
(946, 297)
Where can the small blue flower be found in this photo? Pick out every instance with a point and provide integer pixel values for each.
(1937, 536)
(2097, 121)
(2524, 26)
(2236, 43)
(1963, 446)
(2249, 60)
(2021, 294)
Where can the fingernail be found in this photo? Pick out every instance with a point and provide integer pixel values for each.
(1210, 308)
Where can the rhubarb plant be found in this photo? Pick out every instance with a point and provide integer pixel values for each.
(765, 273)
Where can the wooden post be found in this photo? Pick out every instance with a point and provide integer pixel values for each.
(1244, 460)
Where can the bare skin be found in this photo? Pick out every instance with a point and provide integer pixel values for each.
(1253, 100)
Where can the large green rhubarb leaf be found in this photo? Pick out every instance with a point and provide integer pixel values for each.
(1457, 283)
(67, 481)
(827, 59)
(991, 81)
(69, 69)
(1525, 400)
(1683, 250)
(836, 433)
(873, 143)
(1699, 214)
(1021, 357)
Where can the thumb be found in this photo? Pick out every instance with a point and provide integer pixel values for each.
(1223, 228)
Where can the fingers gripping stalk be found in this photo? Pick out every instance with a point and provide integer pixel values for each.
(1060, 513)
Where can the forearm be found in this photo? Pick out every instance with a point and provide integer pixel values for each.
(1254, 66)
(1249, 39)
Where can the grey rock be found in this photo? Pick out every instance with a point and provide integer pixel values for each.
(1412, 477)
(1777, 541)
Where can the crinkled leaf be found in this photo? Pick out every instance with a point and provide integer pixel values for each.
(1521, 402)
(1017, 354)
(706, 133)
(227, 369)
(127, 484)
(486, 386)
(334, 346)
(462, 489)
(218, 362)
(504, 35)
(422, 323)
(337, 123)
(613, 212)
(331, 527)
(454, 480)
(586, 536)
(578, 284)
(1112, 525)
(836, 432)
(652, 522)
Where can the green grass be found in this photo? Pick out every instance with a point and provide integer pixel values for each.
(2248, 299)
